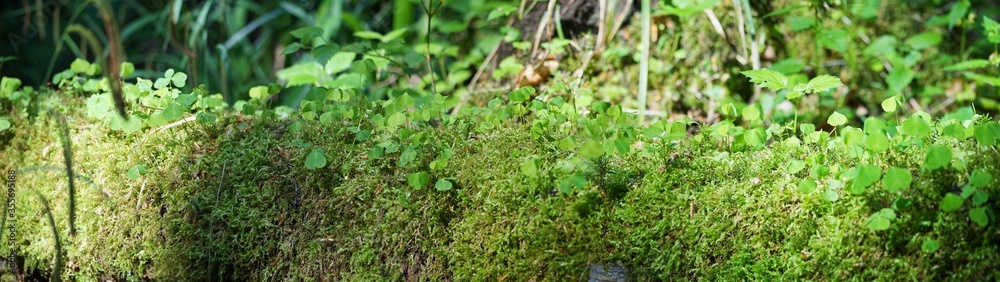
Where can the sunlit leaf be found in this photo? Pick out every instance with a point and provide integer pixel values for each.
(897, 179)
(836, 119)
(916, 127)
(307, 32)
(951, 202)
(967, 65)
(835, 39)
(889, 104)
(767, 78)
(923, 40)
(937, 157)
(822, 83)
(807, 186)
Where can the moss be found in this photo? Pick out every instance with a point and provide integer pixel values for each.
(232, 200)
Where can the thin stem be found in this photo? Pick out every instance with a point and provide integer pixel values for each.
(430, 16)
(644, 63)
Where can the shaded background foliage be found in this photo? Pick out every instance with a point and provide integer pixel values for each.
(231, 46)
(228, 45)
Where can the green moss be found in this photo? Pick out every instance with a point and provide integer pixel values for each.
(233, 200)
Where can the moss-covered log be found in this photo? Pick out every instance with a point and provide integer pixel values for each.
(233, 200)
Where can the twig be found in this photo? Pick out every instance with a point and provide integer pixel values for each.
(475, 79)
(430, 15)
(646, 112)
(742, 28)
(644, 62)
(715, 22)
(602, 7)
(176, 123)
(620, 20)
(541, 27)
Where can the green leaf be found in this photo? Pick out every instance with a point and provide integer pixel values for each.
(930, 245)
(835, 39)
(876, 222)
(801, 23)
(302, 74)
(567, 144)
(901, 204)
(291, 48)
(984, 135)
(207, 117)
(923, 40)
(958, 12)
(981, 179)
(955, 130)
(324, 52)
(991, 80)
(916, 127)
(395, 120)
(979, 197)
(127, 69)
(836, 119)
(807, 186)
(365, 34)
(852, 136)
(529, 168)
(259, 92)
(316, 159)
(897, 179)
(136, 171)
(877, 142)
(888, 213)
(307, 32)
(822, 83)
(179, 79)
(751, 113)
(967, 65)
(978, 215)
(807, 128)
(867, 175)
(767, 78)
(173, 112)
(409, 155)
(882, 45)
(950, 202)
(937, 157)
(899, 78)
(418, 180)
(831, 195)
(579, 181)
(794, 166)
(365, 66)
(754, 137)
(79, 66)
(161, 83)
(992, 29)
(592, 149)
(443, 185)
(340, 62)
(788, 66)
(4, 124)
(889, 104)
